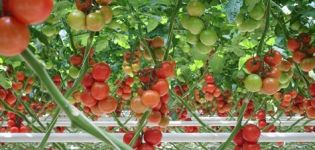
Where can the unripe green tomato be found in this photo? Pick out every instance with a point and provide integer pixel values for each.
(253, 83)
(76, 20)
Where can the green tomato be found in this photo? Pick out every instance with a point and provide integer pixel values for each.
(253, 83)
(74, 72)
(208, 37)
(192, 39)
(285, 85)
(184, 20)
(239, 19)
(258, 12)
(49, 30)
(203, 49)
(195, 25)
(284, 78)
(248, 25)
(195, 53)
(195, 8)
(76, 20)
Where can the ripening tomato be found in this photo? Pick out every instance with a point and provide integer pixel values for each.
(108, 105)
(270, 86)
(128, 137)
(161, 86)
(31, 11)
(253, 65)
(164, 122)
(293, 44)
(238, 138)
(145, 146)
(99, 90)
(155, 117)
(101, 72)
(137, 106)
(95, 21)
(274, 73)
(14, 36)
(298, 56)
(87, 99)
(251, 146)
(251, 133)
(308, 64)
(150, 98)
(285, 66)
(96, 111)
(157, 42)
(153, 136)
(273, 58)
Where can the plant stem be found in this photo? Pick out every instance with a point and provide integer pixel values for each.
(262, 40)
(142, 123)
(68, 30)
(238, 125)
(170, 32)
(48, 131)
(76, 117)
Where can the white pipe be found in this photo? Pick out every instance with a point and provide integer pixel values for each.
(212, 121)
(167, 137)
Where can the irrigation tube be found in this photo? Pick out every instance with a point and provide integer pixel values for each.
(167, 137)
(105, 122)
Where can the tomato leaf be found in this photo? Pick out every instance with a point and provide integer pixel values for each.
(5, 82)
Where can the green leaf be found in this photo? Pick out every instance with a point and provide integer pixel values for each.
(216, 63)
(271, 41)
(232, 9)
(5, 82)
(248, 44)
(40, 36)
(101, 44)
(242, 61)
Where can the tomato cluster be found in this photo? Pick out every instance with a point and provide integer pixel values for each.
(201, 39)
(247, 138)
(14, 33)
(84, 19)
(15, 125)
(152, 137)
(251, 16)
(125, 89)
(268, 74)
(302, 51)
(95, 96)
(131, 64)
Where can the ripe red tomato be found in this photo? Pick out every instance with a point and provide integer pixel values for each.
(161, 86)
(11, 98)
(155, 117)
(76, 60)
(261, 114)
(298, 56)
(238, 138)
(250, 146)
(87, 80)
(251, 133)
(83, 6)
(150, 98)
(87, 99)
(253, 65)
(310, 111)
(20, 76)
(273, 73)
(312, 89)
(209, 79)
(108, 105)
(14, 36)
(14, 130)
(167, 69)
(145, 146)
(101, 72)
(3, 93)
(128, 137)
(273, 58)
(293, 44)
(31, 11)
(153, 136)
(99, 90)
(137, 106)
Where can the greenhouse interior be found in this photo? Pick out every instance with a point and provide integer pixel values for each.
(157, 75)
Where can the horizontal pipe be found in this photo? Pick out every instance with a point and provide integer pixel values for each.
(211, 121)
(167, 137)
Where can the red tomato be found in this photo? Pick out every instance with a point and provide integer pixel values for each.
(298, 56)
(155, 117)
(76, 60)
(137, 106)
(87, 80)
(167, 69)
(150, 98)
(238, 138)
(14, 36)
(253, 65)
(108, 105)
(31, 11)
(101, 72)
(310, 111)
(273, 73)
(20, 76)
(261, 114)
(273, 58)
(153, 136)
(209, 79)
(3, 93)
(251, 133)
(11, 98)
(293, 44)
(161, 86)
(14, 130)
(250, 146)
(145, 146)
(87, 99)
(83, 6)
(128, 137)
(99, 90)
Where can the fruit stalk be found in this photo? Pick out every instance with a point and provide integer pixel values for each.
(262, 40)
(142, 123)
(77, 118)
